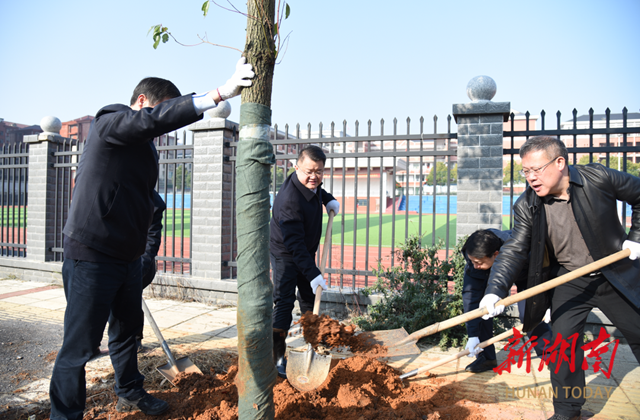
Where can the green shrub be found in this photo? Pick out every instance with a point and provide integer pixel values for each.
(415, 294)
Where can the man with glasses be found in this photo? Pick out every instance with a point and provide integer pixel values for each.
(566, 219)
(296, 228)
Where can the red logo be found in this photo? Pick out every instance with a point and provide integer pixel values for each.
(556, 353)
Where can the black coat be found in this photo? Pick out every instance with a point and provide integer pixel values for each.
(154, 239)
(296, 224)
(475, 282)
(594, 190)
(112, 204)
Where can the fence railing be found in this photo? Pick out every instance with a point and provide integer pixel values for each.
(14, 172)
(382, 184)
(175, 154)
(175, 187)
(609, 139)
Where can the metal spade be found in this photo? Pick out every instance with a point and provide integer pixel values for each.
(307, 370)
(171, 369)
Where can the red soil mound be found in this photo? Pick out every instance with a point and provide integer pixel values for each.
(357, 388)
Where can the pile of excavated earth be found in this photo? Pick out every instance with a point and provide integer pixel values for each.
(359, 387)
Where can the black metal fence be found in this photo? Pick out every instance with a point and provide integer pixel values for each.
(175, 186)
(14, 172)
(175, 154)
(611, 139)
(382, 184)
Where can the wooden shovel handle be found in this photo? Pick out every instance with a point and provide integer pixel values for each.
(464, 352)
(548, 285)
(323, 261)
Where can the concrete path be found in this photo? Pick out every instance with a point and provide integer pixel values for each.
(194, 326)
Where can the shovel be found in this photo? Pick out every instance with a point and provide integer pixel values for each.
(171, 369)
(399, 346)
(446, 360)
(307, 370)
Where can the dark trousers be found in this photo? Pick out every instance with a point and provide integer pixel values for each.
(570, 306)
(93, 291)
(286, 278)
(486, 332)
(540, 333)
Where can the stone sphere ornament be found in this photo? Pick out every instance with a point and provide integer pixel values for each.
(223, 110)
(51, 125)
(481, 89)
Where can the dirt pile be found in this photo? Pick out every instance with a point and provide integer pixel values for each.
(357, 388)
(321, 330)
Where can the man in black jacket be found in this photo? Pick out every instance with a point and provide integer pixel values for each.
(480, 251)
(296, 228)
(148, 259)
(567, 218)
(106, 233)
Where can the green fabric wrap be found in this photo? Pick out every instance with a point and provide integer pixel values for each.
(256, 370)
(254, 114)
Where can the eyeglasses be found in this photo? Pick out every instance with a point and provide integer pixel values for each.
(536, 171)
(310, 172)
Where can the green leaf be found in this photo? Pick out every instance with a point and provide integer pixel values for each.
(275, 26)
(153, 28)
(155, 44)
(287, 11)
(205, 8)
(165, 38)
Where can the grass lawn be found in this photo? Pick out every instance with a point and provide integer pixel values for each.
(13, 216)
(347, 222)
(178, 214)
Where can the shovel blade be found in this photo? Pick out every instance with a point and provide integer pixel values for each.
(307, 370)
(388, 338)
(182, 365)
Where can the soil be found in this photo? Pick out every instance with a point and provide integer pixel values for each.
(25, 350)
(357, 388)
(323, 331)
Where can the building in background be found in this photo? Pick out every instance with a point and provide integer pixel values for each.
(77, 129)
(13, 133)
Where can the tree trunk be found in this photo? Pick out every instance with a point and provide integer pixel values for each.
(260, 51)
(256, 370)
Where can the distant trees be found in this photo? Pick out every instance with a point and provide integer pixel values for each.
(517, 178)
(441, 174)
(632, 168)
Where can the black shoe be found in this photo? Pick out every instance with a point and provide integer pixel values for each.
(279, 350)
(281, 367)
(141, 348)
(561, 417)
(149, 405)
(481, 364)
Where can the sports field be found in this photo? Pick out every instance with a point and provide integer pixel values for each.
(385, 228)
(168, 223)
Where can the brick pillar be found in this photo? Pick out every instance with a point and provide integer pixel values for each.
(212, 199)
(480, 127)
(40, 231)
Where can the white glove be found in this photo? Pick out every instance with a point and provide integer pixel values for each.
(634, 247)
(472, 346)
(238, 80)
(487, 302)
(318, 281)
(547, 316)
(333, 205)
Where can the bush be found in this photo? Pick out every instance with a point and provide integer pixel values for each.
(415, 294)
